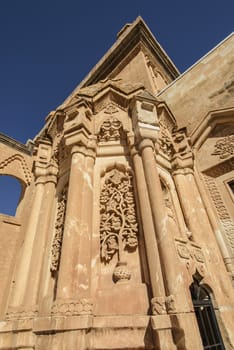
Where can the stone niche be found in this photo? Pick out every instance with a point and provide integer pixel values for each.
(216, 162)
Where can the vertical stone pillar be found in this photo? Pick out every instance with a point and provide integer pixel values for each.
(27, 273)
(178, 303)
(155, 271)
(172, 274)
(42, 237)
(23, 266)
(75, 264)
(185, 193)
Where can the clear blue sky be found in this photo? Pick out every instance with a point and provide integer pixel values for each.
(48, 47)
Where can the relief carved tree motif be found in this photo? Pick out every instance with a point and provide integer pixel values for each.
(118, 225)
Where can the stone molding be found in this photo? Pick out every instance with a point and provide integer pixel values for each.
(22, 312)
(72, 307)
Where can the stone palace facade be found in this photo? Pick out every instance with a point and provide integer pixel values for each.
(124, 237)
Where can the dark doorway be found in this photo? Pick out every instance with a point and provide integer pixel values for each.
(206, 318)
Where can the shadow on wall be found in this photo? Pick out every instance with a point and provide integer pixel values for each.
(10, 194)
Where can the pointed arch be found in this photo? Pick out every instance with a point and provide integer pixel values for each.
(9, 166)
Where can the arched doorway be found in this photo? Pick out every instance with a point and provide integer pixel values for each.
(206, 318)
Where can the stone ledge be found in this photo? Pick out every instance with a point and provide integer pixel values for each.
(52, 324)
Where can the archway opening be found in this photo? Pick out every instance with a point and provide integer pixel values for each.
(10, 194)
(206, 318)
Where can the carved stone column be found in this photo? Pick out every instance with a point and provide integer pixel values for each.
(177, 300)
(173, 278)
(155, 272)
(74, 273)
(42, 234)
(27, 275)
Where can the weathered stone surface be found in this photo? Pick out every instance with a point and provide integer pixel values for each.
(127, 208)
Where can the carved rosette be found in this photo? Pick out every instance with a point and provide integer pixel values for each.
(58, 237)
(111, 130)
(224, 148)
(118, 225)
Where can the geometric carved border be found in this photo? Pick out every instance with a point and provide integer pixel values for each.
(18, 157)
(224, 216)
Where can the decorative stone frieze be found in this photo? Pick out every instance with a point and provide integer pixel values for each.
(72, 307)
(22, 312)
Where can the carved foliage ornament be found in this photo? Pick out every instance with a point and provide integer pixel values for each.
(111, 130)
(118, 226)
(58, 237)
(224, 147)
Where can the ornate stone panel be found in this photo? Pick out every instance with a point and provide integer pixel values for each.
(224, 216)
(224, 147)
(118, 224)
(111, 130)
(192, 255)
(59, 226)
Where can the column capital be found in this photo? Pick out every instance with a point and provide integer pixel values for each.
(182, 158)
(88, 149)
(44, 167)
(45, 173)
(144, 116)
(145, 143)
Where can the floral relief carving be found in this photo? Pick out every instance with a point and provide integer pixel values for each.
(224, 147)
(165, 138)
(58, 237)
(118, 225)
(192, 255)
(165, 142)
(158, 306)
(111, 130)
